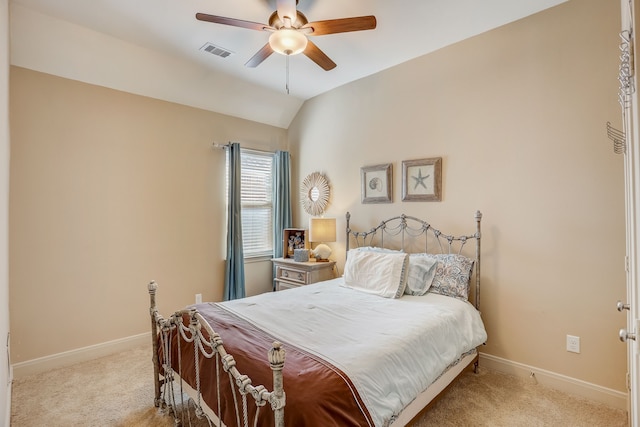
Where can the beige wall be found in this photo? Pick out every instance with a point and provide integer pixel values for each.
(518, 115)
(4, 209)
(108, 191)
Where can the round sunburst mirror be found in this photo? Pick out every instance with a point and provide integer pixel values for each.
(314, 193)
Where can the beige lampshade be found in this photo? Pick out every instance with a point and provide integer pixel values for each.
(322, 230)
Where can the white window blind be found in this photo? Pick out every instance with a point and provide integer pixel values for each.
(257, 203)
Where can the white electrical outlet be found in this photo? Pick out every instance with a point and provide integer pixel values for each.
(198, 298)
(573, 344)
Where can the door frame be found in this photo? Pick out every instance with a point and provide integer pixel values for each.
(631, 124)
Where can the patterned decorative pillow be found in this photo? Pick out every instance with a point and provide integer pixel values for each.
(452, 276)
(422, 270)
(374, 272)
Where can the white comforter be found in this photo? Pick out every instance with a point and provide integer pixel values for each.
(392, 349)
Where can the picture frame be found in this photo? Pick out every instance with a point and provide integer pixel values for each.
(422, 180)
(294, 238)
(376, 183)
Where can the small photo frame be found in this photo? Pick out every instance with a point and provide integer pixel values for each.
(376, 183)
(422, 180)
(293, 238)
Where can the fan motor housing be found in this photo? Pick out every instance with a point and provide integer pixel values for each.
(276, 22)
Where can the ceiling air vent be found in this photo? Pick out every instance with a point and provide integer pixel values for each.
(216, 50)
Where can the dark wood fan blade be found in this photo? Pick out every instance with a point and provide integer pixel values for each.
(319, 57)
(231, 21)
(344, 25)
(260, 56)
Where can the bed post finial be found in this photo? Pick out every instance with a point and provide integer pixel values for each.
(153, 311)
(277, 400)
(348, 216)
(276, 356)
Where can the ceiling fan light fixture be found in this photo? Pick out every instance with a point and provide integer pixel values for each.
(287, 41)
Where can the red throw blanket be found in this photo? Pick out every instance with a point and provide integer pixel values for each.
(317, 393)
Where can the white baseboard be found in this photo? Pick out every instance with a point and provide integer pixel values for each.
(607, 396)
(7, 421)
(59, 360)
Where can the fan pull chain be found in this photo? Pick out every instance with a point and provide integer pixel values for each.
(287, 83)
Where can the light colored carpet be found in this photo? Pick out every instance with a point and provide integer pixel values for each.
(117, 391)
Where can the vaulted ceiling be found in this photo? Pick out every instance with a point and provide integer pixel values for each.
(155, 47)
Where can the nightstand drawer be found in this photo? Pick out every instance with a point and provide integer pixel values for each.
(291, 275)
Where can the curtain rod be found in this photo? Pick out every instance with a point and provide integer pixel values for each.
(219, 146)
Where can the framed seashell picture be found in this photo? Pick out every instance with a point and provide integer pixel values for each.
(376, 183)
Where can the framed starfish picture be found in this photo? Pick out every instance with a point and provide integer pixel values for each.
(422, 180)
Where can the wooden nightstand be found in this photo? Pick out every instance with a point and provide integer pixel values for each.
(291, 274)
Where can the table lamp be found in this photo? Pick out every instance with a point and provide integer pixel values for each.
(321, 231)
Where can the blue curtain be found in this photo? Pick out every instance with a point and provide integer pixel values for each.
(282, 217)
(234, 271)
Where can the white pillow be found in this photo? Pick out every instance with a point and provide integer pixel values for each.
(379, 273)
(422, 270)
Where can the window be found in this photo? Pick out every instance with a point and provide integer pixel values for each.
(257, 202)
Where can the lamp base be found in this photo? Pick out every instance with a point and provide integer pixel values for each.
(322, 252)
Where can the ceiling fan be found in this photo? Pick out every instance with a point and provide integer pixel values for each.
(289, 30)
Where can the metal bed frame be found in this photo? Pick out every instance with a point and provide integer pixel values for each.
(411, 228)
(189, 327)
